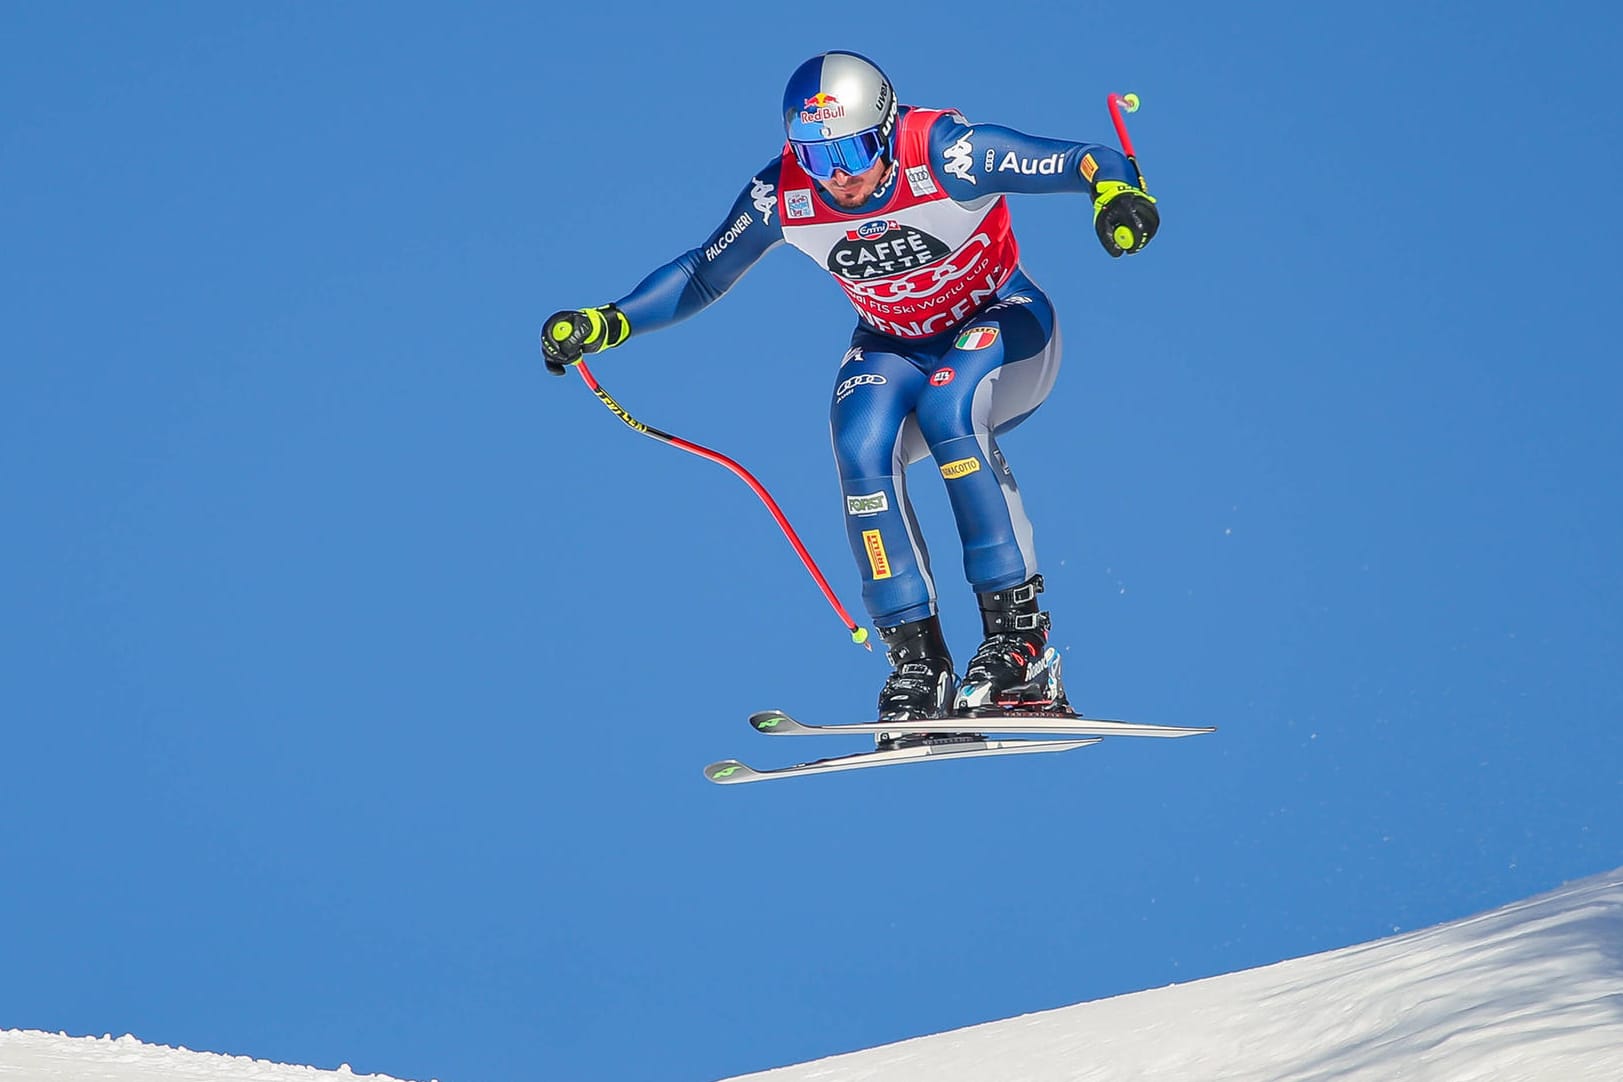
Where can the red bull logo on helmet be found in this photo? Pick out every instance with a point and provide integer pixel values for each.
(820, 107)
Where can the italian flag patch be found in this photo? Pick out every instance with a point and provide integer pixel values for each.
(977, 338)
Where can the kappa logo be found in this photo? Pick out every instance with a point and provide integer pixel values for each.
(961, 468)
(797, 203)
(1007, 301)
(959, 159)
(852, 354)
(872, 504)
(765, 200)
(847, 386)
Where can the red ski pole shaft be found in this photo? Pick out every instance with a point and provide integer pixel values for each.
(1128, 102)
(859, 634)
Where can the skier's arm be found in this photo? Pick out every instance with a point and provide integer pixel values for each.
(977, 161)
(686, 285)
(698, 277)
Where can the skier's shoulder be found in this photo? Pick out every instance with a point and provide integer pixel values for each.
(939, 139)
(761, 191)
(939, 127)
(755, 204)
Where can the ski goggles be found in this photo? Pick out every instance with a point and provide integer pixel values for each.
(849, 153)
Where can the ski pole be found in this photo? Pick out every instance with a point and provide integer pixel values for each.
(1128, 102)
(859, 634)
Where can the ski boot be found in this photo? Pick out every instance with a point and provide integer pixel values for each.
(1015, 668)
(922, 684)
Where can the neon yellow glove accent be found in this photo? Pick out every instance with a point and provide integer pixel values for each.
(609, 328)
(1124, 217)
(1108, 190)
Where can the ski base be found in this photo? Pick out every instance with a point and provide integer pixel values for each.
(1051, 723)
(962, 746)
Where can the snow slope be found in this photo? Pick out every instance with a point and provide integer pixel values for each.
(1532, 991)
(31, 1056)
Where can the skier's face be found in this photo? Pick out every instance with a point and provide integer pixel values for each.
(853, 189)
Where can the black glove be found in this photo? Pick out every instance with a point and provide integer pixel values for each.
(571, 334)
(1124, 217)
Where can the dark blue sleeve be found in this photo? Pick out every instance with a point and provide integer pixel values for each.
(977, 160)
(699, 276)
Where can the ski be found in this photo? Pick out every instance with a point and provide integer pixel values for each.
(964, 746)
(777, 723)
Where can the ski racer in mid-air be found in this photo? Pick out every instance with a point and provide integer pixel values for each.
(954, 345)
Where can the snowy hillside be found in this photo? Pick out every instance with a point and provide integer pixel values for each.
(28, 1056)
(1532, 991)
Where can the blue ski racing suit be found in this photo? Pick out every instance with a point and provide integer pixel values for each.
(954, 344)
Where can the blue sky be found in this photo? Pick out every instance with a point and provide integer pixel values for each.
(356, 675)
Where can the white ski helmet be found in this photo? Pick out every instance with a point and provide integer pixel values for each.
(839, 112)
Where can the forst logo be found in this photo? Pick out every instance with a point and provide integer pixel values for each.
(882, 248)
(872, 504)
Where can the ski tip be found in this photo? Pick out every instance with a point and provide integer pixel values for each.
(774, 721)
(730, 772)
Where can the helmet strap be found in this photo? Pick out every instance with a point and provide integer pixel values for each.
(890, 177)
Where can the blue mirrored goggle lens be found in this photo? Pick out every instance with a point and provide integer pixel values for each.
(849, 153)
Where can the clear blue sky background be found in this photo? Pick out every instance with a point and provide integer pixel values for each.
(356, 675)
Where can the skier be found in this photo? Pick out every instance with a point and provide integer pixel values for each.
(954, 345)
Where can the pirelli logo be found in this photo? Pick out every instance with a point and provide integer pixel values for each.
(875, 545)
(962, 468)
